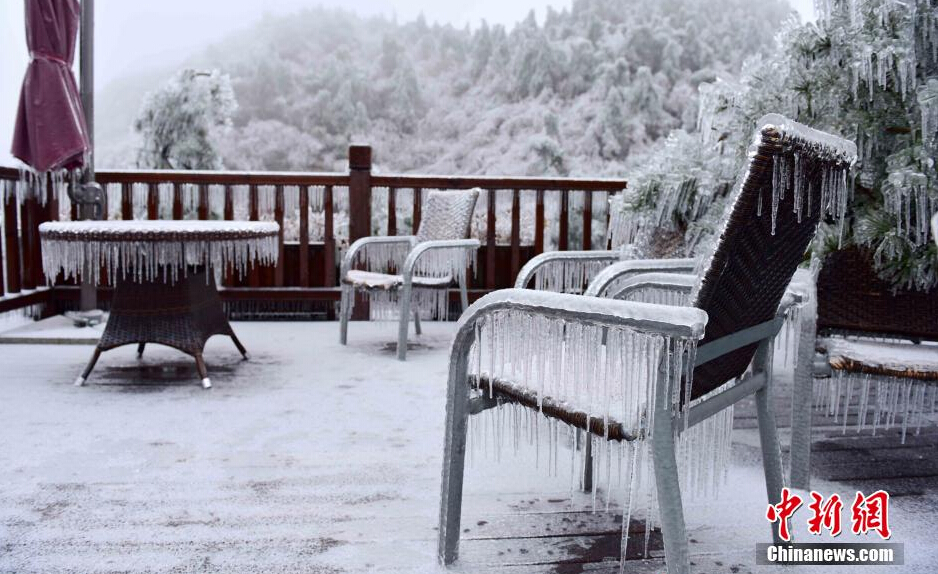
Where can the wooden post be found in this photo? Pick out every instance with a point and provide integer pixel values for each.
(515, 233)
(153, 201)
(254, 274)
(304, 235)
(563, 239)
(10, 228)
(392, 211)
(587, 221)
(28, 222)
(359, 206)
(203, 202)
(177, 201)
(490, 241)
(278, 217)
(359, 191)
(127, 201)
(539, 223)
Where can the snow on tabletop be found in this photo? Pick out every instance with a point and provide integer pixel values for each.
(891, 356)
(155, 250)
(103, 229)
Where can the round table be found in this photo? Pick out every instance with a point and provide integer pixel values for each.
(163, 276)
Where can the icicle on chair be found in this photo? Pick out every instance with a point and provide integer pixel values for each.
(878, 348)
(632, 372)
(426, 265)
(572, 271)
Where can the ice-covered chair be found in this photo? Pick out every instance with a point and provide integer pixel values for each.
(878, 347)
(641, 376)
(414, 272)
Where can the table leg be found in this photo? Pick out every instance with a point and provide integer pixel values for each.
(182, 315)
(80, 381)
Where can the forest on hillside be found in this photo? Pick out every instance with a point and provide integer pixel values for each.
(575, 94)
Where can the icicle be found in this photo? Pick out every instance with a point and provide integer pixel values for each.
(65, 250)
(567, 275)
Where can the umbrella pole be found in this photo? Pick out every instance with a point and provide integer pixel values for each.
(89, 295)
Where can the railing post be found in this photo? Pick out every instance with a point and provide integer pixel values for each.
(359, 192)
(359, 206)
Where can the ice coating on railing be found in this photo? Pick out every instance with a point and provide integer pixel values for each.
(153, 250)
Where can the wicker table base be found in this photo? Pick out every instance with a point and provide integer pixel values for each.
(182, 315)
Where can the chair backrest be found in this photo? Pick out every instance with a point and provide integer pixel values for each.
(794, 175)
(852, 299)
(447, 215)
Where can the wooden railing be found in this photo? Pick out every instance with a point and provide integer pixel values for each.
(307, 267)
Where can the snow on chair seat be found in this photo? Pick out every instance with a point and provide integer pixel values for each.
(387, 282)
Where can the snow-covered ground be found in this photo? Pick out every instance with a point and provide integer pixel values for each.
(311, 457)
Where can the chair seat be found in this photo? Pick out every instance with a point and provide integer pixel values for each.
(879, 358)
(552, 407)
(385, 281)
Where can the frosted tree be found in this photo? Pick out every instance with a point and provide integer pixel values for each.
(179, 123)
(868, 69)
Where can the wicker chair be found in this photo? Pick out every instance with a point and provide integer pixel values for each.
(875, 344)
(428, 263)
(735, 315)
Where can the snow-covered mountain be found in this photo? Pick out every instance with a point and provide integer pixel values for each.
(573, 95)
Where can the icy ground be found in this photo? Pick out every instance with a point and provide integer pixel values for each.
(311, 457)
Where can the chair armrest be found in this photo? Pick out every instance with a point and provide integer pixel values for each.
(685, 322)
(360, 246)
(624, 269)
(678, 283)
(535, 264)
(467, 247)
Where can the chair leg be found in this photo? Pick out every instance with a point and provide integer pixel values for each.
(80, 381)
(463, 293)
(802, 393)
(670, 506)
(403, 323)
(417, 328)
(345, 305)
(587, 462)
(241, 349)
(454, 457)
(203, 371)
(768, 433)
(140, 347)
(771, 452)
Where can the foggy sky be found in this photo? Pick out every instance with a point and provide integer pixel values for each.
(145, 34)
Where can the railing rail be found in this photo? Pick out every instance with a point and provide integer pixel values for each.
(307, 265)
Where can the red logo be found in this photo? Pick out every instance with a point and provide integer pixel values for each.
(782, 511)
(871, 513)
(826, 515)
(867, 513)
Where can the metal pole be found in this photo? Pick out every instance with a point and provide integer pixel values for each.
(86, 59)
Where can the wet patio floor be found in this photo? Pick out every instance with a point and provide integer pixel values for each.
(312, 457)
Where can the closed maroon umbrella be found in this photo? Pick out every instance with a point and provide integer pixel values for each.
(50, 130)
